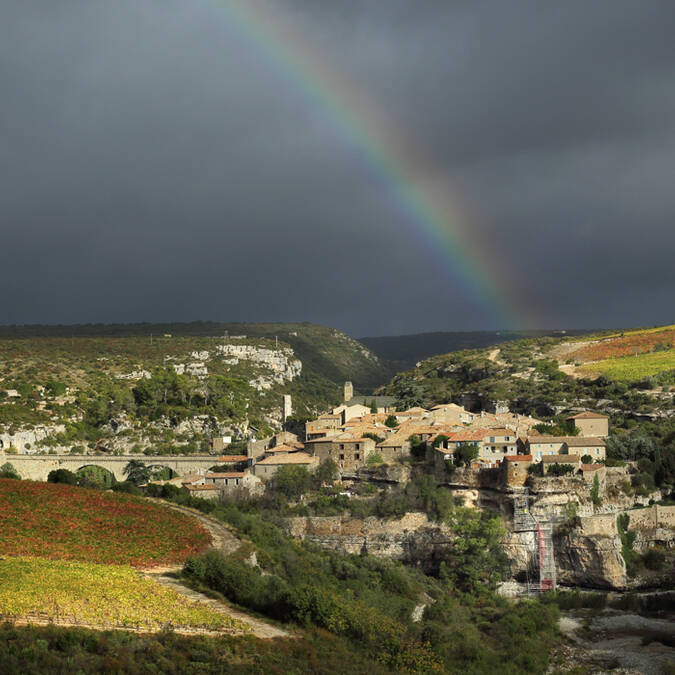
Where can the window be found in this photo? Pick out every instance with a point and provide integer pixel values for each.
(492, 439)
(342, 457)
(357, 455)
(342, 447)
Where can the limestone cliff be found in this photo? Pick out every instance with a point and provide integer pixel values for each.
(412, 539)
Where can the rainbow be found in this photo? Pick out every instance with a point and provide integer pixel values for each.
(432, 211)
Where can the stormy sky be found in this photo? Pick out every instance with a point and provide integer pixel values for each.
(161, 161)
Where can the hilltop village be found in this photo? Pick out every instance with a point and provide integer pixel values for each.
(367, 431)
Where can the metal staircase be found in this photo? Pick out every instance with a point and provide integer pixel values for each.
(543, 572)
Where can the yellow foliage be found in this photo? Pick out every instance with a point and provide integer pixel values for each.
(102, 595)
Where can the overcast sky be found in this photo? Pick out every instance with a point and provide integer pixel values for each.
(158, 162)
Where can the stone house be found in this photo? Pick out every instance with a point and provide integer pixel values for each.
(591, 424)
(256, 449)
(472, 437)
(585, 445)
(451, 413)
(497, 443)
(228, 481)
(322, 426)
(393, 448)
(543, 446)
(347, 451)
(267, 467)
(349, 412)
(514, 469)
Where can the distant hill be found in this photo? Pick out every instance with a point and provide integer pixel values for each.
(404, 351)
(170, 387)
(324, 351)
(624, 373)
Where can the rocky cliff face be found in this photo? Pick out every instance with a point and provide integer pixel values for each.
(412, 539)
(582, 558)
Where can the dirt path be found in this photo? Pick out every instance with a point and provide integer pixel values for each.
(223, 540)
(494, 357)
(259, 628)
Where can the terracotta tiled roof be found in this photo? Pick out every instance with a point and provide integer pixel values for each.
(588, 416)
(393, 440)
(561, 459)
(500, 432)
(292, 458)
(584, 441)
(469, 435)
(517, 458)
(549, 439)
(281, 448)
(592, 467)
(233, 458)
(227, 474)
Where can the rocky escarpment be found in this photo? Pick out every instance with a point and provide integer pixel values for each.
(582, 558)
(413, 539)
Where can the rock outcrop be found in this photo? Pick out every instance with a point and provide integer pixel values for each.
(412, 539)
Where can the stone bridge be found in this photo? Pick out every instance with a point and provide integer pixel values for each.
(37, 467)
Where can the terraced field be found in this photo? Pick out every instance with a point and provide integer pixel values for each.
(633, 368)
(110, 596)
(71, 523)
(630, 344)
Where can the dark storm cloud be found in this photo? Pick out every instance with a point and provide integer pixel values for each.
(155, 164)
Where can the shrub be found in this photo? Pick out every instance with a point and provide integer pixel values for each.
(62, 476)
(292, 481)
(654, 559)
(595, 491)
(374, 458)
(559, 469)
(391, 421)
(7, 470)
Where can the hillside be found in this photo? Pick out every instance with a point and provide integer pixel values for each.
(70, 523)
(623, 373)
(159, 386)
(404, 351)
(71, 555)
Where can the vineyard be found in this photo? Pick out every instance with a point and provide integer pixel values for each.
(70, 523)
(642, 342)
(634, 368)
(101, 595)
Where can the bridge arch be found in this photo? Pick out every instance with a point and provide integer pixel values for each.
(161, 472)
(96, 475)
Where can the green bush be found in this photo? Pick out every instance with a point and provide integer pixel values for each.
(7, 470)
(62, 476)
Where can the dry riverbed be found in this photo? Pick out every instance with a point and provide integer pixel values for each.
(615, 641)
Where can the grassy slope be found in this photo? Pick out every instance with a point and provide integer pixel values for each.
(406, 350)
